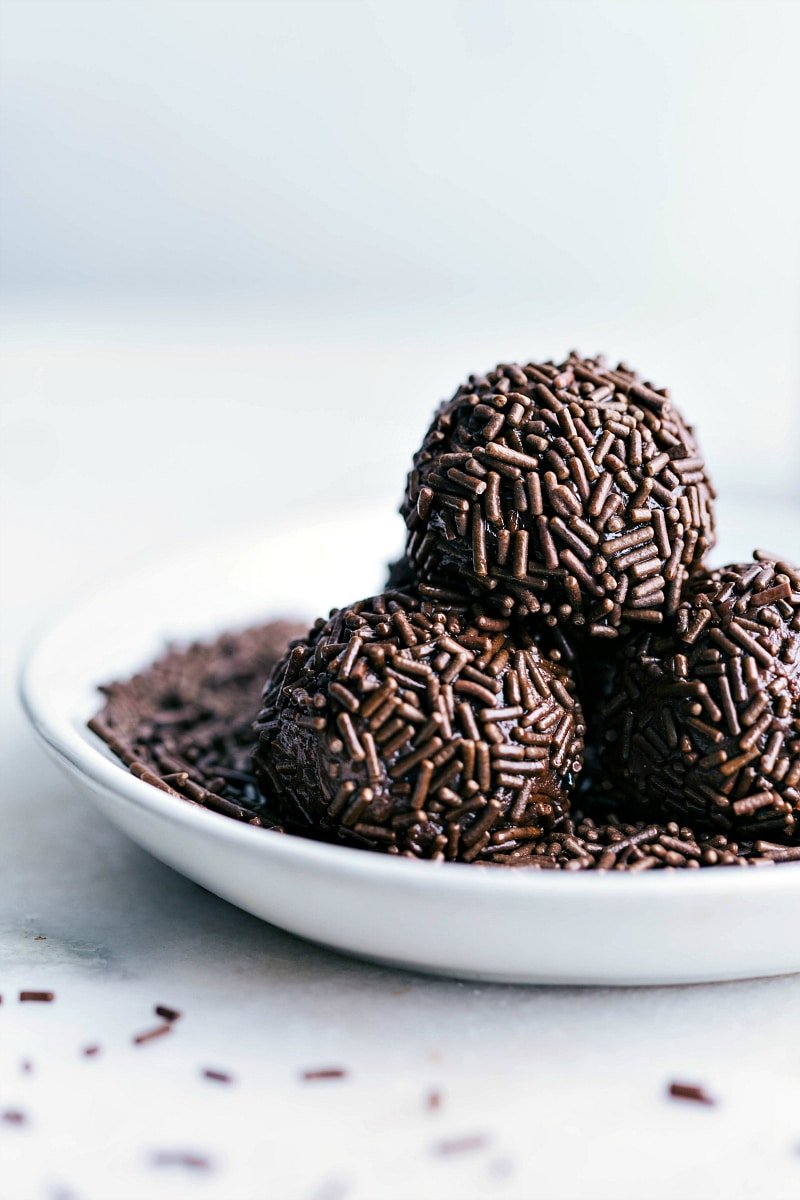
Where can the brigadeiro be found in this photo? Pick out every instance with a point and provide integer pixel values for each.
(705, 722)
(418, 723)
(572, 491)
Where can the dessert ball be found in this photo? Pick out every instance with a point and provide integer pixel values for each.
(419, 724)
(705, 722)
(574, 491)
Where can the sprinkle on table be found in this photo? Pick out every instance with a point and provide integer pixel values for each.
(462, 1145)
(181, 1158)
(690, 1091)
(166, 1013)
(150, 1035)
(217, 1076)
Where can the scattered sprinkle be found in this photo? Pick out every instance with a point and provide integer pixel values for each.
(151, 1034)
(324, 1073)
(217, 1076)
(433, 1100)
(40, 997)
(168, 1014)
(181, 1158)
(90, 1051)
(690, 1091)
(475, 1141)
(12, 1116)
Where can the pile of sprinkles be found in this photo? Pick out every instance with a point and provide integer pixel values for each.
(184, 724)
(572, 491)
(421, 725)
(705, 717)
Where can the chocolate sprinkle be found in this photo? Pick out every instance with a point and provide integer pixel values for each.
(167, 1013)
(690, 1091)
(217, 1076)
(318, 1073)
(12, 1116)
(181, 1158)
(475, 1141)
(150, 1035)
(38, 997)
(421, 728)
(705, 720)
(574, 492)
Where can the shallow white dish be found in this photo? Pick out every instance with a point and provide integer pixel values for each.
(452, 919)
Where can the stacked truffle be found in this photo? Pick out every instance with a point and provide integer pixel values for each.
(557, 520)
(705, 722)
(571, 493)
(416, 723)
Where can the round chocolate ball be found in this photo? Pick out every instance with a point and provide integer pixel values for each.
(705, 720)
(417, 723)
(575, 491)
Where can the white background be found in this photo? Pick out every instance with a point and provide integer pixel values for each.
(245, 248)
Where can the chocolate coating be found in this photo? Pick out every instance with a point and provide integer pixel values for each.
(705, 723)
(423, 726)
(574, 491)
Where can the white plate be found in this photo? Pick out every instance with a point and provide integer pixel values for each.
(452, 919)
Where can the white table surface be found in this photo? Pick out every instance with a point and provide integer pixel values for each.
(566, 1086)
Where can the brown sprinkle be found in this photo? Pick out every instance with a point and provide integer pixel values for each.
(690, 1091)
(217, 1076)
(166, 1013)
(150, 1035)
(181, 1158)
(462, 1145)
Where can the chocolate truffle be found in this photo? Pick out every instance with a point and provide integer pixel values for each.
(705, 720)
(574, 491)
(418, 724)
